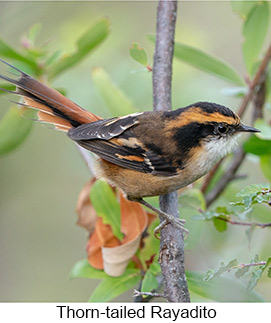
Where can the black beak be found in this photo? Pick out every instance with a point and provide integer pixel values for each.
(243, 128)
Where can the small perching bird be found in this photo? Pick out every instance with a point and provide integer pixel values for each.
(143, 154)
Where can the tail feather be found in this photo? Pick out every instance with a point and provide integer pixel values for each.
(59, 123)
(53, 107)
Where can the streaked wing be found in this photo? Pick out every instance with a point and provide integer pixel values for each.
(132, 158)
(114, 141)
(103, 129)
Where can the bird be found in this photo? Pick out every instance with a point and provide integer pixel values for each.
(143, 154)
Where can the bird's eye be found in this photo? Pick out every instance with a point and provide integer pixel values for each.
(222, 129)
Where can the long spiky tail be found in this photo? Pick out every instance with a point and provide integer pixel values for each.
(52, 106)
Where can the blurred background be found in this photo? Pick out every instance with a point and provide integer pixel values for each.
(40, 181)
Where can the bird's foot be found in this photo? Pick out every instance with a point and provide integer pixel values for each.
(168, 219)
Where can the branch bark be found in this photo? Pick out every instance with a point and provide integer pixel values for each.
(172, 241)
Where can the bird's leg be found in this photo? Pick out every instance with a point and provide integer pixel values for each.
(168, 218)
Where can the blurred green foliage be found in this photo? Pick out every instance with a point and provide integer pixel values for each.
(14, 129)
(115, 100)
(206, 62)
(93, 37)
(255, 29)
(44, 63)
(242, 270)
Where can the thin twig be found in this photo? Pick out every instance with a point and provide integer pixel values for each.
(258, 85)
(248, 224)
(254, 264)
(261, 263)
(257, 79)
(171, 242)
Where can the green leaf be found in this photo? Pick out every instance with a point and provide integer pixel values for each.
(138, 54)
(242, 7)
(151, 245)
(253, 194)
(265, 129)
(106, 205)
(155, 267)
(220, 211)
(268, 262)
(14, 128)
(214, 273)
(93, 36)
(206, 62)
(83, 269)
(85, 44)
(111, 287)
(265, 162)
(8, 52)
(222, 289)
(252, 190)
(254, 30)
(115, 100)
(220, 225)
(256, 275)
(257, 146)
(240, 272)
(149, 282)
(216, 216)
(208, 215)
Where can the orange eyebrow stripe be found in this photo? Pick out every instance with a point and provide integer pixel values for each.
(197, 115)
(131, 158)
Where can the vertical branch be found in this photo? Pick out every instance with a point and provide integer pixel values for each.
(172, 242)
(162, 61)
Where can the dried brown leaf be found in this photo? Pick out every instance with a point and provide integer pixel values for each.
(105, 251)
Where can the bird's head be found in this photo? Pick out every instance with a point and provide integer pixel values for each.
(207, 127)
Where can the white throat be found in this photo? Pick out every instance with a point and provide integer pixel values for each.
(221, 147)
(213, 151)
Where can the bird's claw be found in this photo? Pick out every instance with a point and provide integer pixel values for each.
(176, 222)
